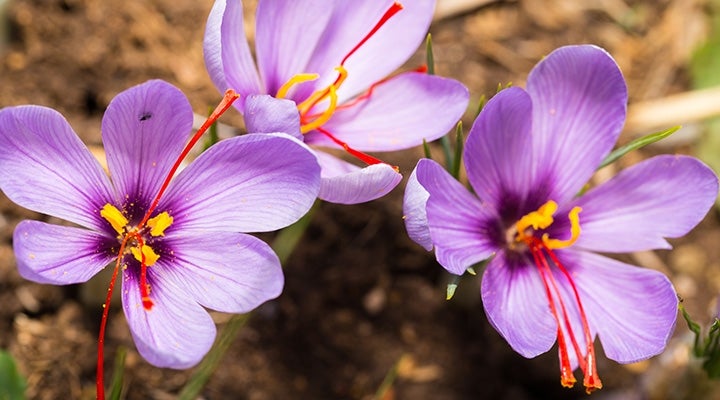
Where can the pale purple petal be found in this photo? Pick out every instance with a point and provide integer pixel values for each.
(579, 101)
(516, 304)
(399, 114)
(462, 227)
(245, 274)
(266, 114)
(46, 168)
(632, 309)
(345, 183)
(662, 197)
(249, 183)
(144, 130)
(498, 153)
(177, 332)
(59, 255)
(227, 53)
(382, 54)
(415, 212)
(287, 32)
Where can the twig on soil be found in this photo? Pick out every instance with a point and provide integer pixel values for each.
(681, 108)
(452, 8)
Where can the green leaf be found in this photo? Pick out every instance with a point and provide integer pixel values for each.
(426, 149)
(481, 105)
(452, 287)
(636, 144)
(457, 160)
(695, 328)
(12, 384)
(116, 386)
(430, 58)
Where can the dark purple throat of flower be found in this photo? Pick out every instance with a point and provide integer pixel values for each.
(136, 240)
(541, 249)
(313, 120)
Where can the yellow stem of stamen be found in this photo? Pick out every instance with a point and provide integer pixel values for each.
(574, 217)
(325, 116)
(297, 79)
(150, 256)
(159, 223)
(320, 95)
(114, 217)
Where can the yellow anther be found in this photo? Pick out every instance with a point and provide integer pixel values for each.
(540, 219)
(320, 95)
(325, 116)
(114, 217)
(543, 218)
(150, 255)
(299, 78)
(159, 223)
(574, 217)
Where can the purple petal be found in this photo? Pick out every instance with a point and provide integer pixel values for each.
(287, 32)
(144, 130)
(461, 225)
(266, 114)
(59, 255)
(345, 183)
(45, 167)
(663, 197)
(382, 54)
(499, 152)
(399, 114)
(241, 277)
(516, 304)
(579, 101)
(415, 212)
(250, 183)
(177, 332)
(227, 53)
(632, 309)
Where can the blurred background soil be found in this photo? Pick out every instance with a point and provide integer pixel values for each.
(360, 297)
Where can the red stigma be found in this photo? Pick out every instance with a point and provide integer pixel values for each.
(591, 381)
(394, 8)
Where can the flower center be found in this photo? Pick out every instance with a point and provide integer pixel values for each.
(313, 120)
(542, 252)
(133, 240)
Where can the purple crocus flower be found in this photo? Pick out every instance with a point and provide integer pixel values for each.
(186, 255)
(528, 156)
(321, 72)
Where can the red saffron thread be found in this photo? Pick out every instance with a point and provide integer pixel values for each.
(229, 97)
(587, 363)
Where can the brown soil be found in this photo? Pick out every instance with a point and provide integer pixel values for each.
(360, 296)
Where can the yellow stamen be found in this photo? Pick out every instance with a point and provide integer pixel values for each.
(325, 116)
(299, 78)
(159, 223)
(574, 217)
(540, 219)
(150, 255)
(543, 218)
(320, 95)
(114, 217)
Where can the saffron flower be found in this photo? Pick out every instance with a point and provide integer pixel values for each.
(322, 73)
(528, 156)
(177, 253)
